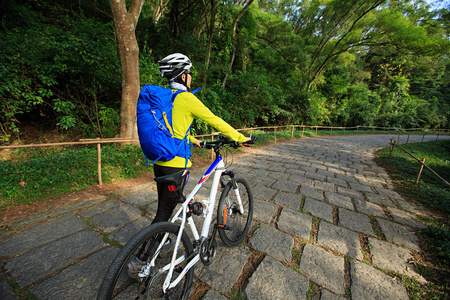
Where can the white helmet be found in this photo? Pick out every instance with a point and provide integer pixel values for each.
(174, 65)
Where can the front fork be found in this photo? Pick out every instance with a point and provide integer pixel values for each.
(234, 186)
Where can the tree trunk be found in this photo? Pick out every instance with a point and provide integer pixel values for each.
(210, 36)
(125, 24)
(234, 41)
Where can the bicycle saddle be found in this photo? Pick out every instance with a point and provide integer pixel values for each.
(171, 178)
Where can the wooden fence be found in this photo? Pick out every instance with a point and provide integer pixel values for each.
(393, 144)
(275, 129)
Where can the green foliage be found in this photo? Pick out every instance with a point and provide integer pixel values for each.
(312, 62)
(110, 121)
(36, 175)
(57, 64)
(438, 239)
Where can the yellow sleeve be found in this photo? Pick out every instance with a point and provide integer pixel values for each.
(198, 109)
(192, 139)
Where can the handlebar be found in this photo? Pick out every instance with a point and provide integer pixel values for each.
(223, 140)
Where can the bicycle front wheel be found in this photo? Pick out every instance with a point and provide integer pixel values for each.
(122, 280)
(237, 223)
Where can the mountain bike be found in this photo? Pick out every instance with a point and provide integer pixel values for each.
(164, 251)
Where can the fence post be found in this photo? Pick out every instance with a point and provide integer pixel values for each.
(392, 147)
(303, 131)
(407, 140)
(423, 137)
(316, 129)
(398, 138)
(275, 133)
(292, 133)
(420, 171)
(357, 127)
(212, 149)
(331, 131)
(437, 135)
(99, 163)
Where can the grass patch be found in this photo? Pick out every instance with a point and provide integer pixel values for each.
(107, 239)
(417, 291)
(403, 169)
(296, 257)
(32, 175)
(21, 293)
(236, 294)
(432, 193)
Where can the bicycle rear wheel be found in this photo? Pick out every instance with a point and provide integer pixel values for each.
(237, 224)
(117, 283)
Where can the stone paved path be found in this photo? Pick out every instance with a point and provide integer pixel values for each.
(326, 219)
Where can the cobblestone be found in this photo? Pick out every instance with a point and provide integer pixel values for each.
(369, 283)
(62, 253)
(264, 181)
(339, 239)
(272, 280)
(399, 234)
(116, 217)
(394, 258)
(369, 208)
(379, 199)
(355, 221)
(319, 209)
(264, 211)
(295, 223)
(289, 200)
(225, 270)
(140, 198)
(404, 217)
(339, 200)
(263, 193)
(310, 192)
(273, 242)
(323, 268)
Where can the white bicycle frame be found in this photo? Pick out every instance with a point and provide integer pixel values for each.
(218, 167)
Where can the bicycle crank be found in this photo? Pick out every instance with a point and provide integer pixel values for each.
(208, 251)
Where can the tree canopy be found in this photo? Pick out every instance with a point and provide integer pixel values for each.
(316, 62)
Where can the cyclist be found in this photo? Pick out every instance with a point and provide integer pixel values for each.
(176, 68)
(186, 106)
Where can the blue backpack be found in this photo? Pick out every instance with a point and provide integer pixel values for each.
(154, 122)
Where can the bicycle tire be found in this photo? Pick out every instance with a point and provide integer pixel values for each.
(228, 213)
(117, 284)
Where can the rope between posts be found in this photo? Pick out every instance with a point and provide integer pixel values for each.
(422, 162)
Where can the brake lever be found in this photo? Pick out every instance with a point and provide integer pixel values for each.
(249, 143)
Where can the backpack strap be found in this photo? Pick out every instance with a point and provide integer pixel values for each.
(188, 142)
